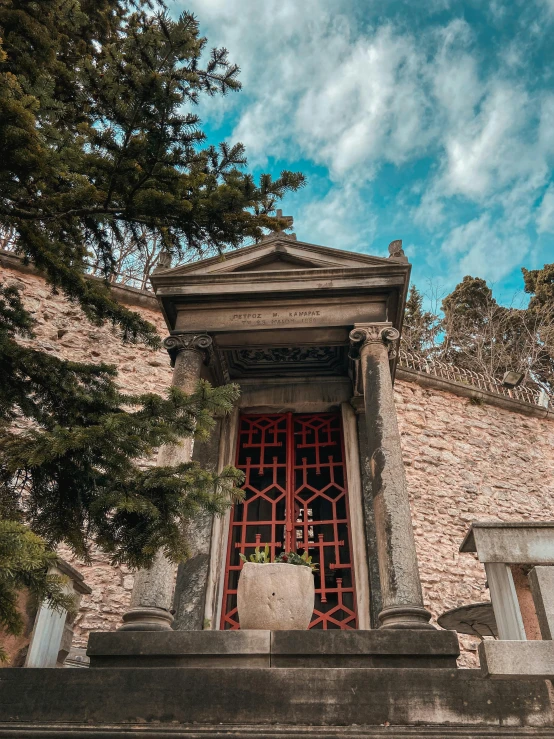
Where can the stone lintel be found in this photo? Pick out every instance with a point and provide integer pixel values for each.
(517, 659)
(514, 542)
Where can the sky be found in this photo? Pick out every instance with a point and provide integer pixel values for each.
(430, 121)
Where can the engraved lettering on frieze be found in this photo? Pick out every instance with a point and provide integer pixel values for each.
(276, 318)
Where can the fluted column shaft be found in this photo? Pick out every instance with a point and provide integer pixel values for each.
(396, 552)
(152, 596)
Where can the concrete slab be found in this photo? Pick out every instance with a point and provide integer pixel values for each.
(179, 649)
(372, 648)
(517, 659)
(278, 649)
(514, 542)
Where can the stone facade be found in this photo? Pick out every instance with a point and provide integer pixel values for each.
(467, 462)
(463, 461)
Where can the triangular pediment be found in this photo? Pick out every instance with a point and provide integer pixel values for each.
(276, 261)
(276, 253)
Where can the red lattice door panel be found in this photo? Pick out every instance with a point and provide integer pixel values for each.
(296, 498)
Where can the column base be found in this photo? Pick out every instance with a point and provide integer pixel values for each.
(405, 617)
(147, 619)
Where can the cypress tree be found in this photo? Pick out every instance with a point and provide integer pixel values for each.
(421, 328)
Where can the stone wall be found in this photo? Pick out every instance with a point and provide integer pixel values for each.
(467, 462)
(62, 330)
(464, 461)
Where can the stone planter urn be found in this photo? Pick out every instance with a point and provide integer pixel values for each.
(275, 596)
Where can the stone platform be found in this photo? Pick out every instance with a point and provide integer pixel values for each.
(343, 649)
(311, 685)
(292, 702)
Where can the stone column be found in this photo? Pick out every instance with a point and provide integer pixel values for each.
(189, 600)
(375, 604)
(152, 596)
(396, 553)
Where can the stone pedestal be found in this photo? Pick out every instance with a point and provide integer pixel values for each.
(373, 648)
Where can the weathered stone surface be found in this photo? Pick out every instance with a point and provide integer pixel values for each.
(398, 568)
(513, 659)
(192, 575)
(503, 469)
(130, 649)
(278, 649)
(167, 699)
(541, 581)
(371, 648)
(152, 596)
(275, 596)
(375, 601)
(517, 542)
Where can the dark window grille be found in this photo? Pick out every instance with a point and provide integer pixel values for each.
(296, 498)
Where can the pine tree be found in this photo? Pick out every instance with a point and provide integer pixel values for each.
(421, 328)
(485, 337)
(98, 138)
(539, 283)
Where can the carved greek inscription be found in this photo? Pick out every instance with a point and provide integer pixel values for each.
(277, 318)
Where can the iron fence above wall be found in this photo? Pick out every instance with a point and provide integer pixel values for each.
(523, 393)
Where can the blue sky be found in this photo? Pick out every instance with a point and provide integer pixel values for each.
(426, 120)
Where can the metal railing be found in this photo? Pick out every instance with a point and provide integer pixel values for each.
(523, 393)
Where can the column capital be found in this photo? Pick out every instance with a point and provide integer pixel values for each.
(373, 333)
(200, 343)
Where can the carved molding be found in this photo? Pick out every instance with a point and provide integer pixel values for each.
(282, 361)
(221, 367)
(287, 355)
(190, 342)
(373, 333)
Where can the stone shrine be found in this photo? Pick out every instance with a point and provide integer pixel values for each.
(310, 334)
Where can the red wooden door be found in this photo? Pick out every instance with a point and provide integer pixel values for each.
(296, 497)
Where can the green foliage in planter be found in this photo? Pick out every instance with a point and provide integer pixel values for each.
(291, 558)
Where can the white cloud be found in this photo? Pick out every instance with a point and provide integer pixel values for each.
(323, 83)
(341, 219)
(545, 215)
(485, 249)
(320, 88)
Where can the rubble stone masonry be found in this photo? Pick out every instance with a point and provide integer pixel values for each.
(464, 461)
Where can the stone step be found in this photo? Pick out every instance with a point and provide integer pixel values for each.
(392, 648)
(166, 702)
